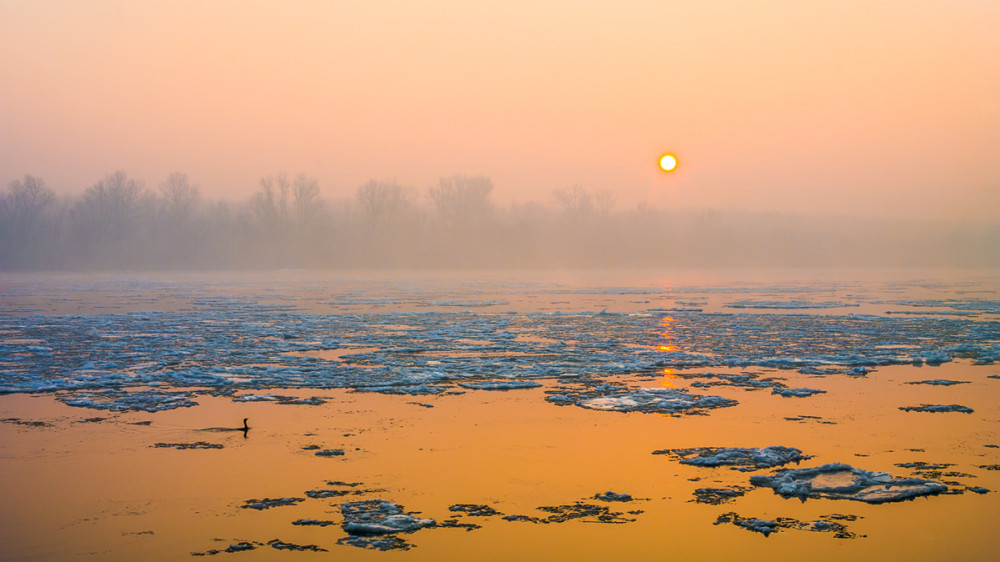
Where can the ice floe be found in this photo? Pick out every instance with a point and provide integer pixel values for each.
(828, 524)
(743, 459)
(610, 496)
(844, 482)
(580, 510)
(474, 510)
(329, 453)
(373, 524)
(268, 503)
(182, 446)
(610, 397)
(120, 400)
(717, 496)
(937, 408)
(796, 392)
(787, 305)
(499, 385)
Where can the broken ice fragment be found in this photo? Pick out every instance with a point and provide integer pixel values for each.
(717, 496)
(739, 458)
(182, 446)
(844, 482)
(499, 385)
(312, 522)
(379, 517)
(282, 545)
(268, 503)
(383, 542)
(474, 510)
(829, 523)
(610, 496)
(796, 392)
(330, 453)
(937, 408)
(608, 397)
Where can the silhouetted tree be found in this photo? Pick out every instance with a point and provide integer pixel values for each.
(461, 201)
(21, 220)
(179, 197)
(306, 202)
(109, 209)
(270, 203)
(381, 200)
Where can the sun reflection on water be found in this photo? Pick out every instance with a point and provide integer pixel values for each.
(668, 333)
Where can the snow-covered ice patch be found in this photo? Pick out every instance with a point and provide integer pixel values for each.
(613, 398)
(843, 482)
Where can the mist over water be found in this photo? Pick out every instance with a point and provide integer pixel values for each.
(119, 223)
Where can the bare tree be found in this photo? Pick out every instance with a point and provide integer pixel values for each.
(179, 195)
(270, 203)
(25, 201)
(109, 208)
(461, 201)
(575, 201)
(382, 200)
(21, 219)
(306, 202)
(604, 200)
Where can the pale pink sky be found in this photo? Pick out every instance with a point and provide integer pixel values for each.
(853, 107)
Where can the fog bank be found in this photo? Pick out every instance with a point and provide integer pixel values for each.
(120, 224)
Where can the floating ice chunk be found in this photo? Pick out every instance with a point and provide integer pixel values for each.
(796, 392)
(182, 446)
(829, 524)
(744, 459)
(844, 482)
(268, 503)
(260, 398)
(607, 397)
(330, 453)
(379, 517)
(118, 400)
(312, 522)
(586, 511)
(499, 385)
(409, 390)
(474, 510)
(787, 305)
(280, 399)
(466, 303)
(717, 496)
(610, 496)
(282, 545)
(934, 358)
(939, 382)
(937, 408)
(746, 380)
(378, 542)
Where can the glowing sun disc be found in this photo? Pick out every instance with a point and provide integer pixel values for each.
(668, 162)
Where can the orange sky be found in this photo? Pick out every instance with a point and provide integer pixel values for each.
(885, 108)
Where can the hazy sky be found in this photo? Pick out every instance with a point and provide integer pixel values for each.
(858, 107)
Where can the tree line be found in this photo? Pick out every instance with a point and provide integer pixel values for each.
(118, 223)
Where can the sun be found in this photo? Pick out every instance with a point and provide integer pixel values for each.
(668, 162)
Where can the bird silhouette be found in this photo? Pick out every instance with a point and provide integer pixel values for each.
(244, 429)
